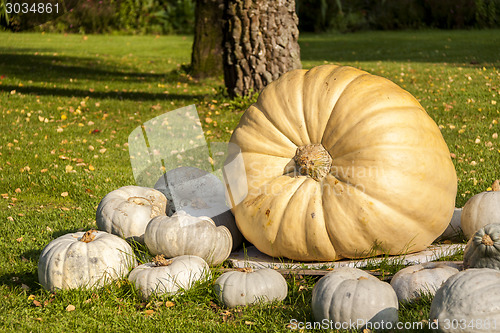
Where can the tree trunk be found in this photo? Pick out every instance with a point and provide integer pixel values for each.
(260, 43)
(206, 58)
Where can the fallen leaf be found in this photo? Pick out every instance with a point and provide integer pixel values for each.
(149, 312)
(37, 303)
(169, 304)
(70, 308)
(64, 194)
(247, 322)
(19, 240)
(17, 190)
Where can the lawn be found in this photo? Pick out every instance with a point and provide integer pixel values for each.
(69, 102)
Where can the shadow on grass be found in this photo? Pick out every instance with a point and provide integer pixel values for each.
(118, 95)
(29, 278)
(33, 67)
(17, 63)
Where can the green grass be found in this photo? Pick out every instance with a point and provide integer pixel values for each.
(69, 102)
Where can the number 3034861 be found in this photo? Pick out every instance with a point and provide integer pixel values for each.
(32, 8)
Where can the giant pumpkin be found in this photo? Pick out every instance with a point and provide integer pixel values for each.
(340, 163)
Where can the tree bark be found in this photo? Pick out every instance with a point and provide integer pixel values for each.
(206, 56)
(260, 43)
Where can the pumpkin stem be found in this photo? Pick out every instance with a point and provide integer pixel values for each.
(160, 260)
(245, 269)
(313, 161)
(486, 240)
(88, 236)
(496, 185)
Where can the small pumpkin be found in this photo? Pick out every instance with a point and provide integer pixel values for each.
(480, 210)
(126, 212)
(483, 249)
(348, 295)
(84, 259)
(341, 164)
(183, 234)
(198, 193)
(410, 282)
(468, 302)
(246, 286)
(168, 277)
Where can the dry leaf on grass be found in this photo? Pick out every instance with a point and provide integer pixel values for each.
(149, 312)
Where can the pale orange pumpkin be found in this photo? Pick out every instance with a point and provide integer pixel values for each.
(341, 163)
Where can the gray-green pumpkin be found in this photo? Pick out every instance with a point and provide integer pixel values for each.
(483, 249)
(480, 210)
(468, 302)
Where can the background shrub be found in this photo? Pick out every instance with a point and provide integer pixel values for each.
(353, 15)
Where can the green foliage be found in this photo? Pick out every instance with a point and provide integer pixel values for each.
(124, 16)
(4, 16)
(354, 15)
(487, 13)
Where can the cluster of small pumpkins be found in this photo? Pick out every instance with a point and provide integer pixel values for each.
(94, 258)
(183, 247)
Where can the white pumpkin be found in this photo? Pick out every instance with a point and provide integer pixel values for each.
(168, 277)
(126, 212)
(468, 302)
(246, 286)
(198, 193)
(348, 295)
(480, 210)
(411, 282)
(183, 234)
(84, 259)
